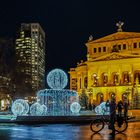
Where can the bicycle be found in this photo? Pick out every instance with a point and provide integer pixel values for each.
(120, 125)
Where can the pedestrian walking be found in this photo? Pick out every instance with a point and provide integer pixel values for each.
(125, 104)
(112, 115)
(107, 107)
(120, 107)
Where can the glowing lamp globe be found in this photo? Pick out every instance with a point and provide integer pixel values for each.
(75, 107)
(20, 107)
(57, 79)
(102, 109)
(17, 109)
(36, 109)
(98, 110)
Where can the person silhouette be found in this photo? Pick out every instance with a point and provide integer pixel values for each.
(120, 107)
(112, 115)
(125, 104)
(107, 106)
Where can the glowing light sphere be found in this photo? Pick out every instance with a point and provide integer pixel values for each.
(75, 107)
(103, 106)
(36, 109)
(20, 107)
(98, 110)
(57, 79)
(102, 109)
(17, 109)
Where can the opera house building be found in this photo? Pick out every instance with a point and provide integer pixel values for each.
(112, 69)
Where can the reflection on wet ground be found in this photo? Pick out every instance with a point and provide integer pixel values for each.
(99, 136)
(64, 132)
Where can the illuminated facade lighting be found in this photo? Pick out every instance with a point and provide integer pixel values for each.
(112, 68)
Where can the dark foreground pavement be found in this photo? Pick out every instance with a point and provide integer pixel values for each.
(64, 132)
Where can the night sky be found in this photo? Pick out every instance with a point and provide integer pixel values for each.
(69, 23)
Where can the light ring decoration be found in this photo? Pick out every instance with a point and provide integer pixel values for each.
(36, 109)
(57, 79)
(75, 107)
(20, 107)
(102, 109)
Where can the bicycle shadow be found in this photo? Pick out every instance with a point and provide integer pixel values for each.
(117, 136)
(120, 136)
(96, 136)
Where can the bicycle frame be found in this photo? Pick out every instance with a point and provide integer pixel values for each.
(99, 123)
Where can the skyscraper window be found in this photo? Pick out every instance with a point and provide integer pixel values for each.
(28, 48)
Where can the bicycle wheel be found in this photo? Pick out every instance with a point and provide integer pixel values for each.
(97, 125)
(122, 127)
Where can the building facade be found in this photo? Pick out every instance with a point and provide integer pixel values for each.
(30, 55)
(112, 69)
(6, 72)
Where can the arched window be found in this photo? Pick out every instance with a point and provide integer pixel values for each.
(95, 79)
(125, 96)
(85, 82)
(104, 79)
(112, 95)
(100, 98)
(80, 83)
(115, 78)
(126, 78)
(74, 83)
(137, 77)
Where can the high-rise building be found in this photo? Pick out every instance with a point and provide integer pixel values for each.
(30, 54)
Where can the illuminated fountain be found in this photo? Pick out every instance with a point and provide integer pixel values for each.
(59, 101)
(56, 101)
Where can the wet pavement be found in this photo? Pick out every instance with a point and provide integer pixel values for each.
(64, 132)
